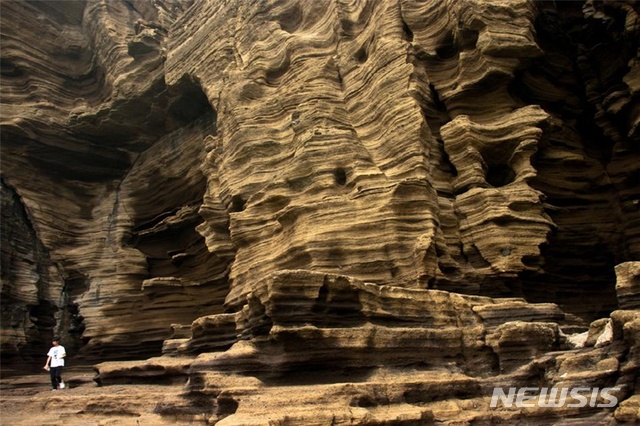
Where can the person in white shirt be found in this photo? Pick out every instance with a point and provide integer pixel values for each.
(55, 362)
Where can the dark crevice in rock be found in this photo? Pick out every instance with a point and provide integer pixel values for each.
(238, 204)
(9, 68)
(337, 305)
(76, 284)
(25, 281)
(406, 32)
(361, 55)
(467, 38)
(190, 102)
(340, 176)
(499, 175)
(226, 406)
(578, 263)
(448, 48)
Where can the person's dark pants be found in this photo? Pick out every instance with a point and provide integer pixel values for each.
(56, 378)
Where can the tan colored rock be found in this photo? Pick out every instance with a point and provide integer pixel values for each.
(163, 370)
(597, 329)
(629, 410)
(518, 342)
(332, 212)
(233, 150)
(608, 365)
(628, 285)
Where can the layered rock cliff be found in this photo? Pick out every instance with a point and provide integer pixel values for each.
(380, 188)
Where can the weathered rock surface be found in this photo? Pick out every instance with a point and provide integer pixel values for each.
(628, 285)
(405, 356)
(333, 211)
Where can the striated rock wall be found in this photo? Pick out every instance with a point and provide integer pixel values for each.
(103, 159)
(448, 181)
(445, 184)
(313, 348)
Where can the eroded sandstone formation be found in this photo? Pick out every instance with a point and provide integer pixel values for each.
(257, 189)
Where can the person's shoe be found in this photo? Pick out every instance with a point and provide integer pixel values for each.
(61, 385)
(53, 390)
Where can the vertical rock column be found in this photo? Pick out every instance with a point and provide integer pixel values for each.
(464, 58)
(320, 160)
(501, 215)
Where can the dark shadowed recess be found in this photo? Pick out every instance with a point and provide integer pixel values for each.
(190, 102)
(172, 249)
(578, 261)
(164, 227)
(25, 266)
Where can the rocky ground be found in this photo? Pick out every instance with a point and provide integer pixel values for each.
(28, 400)
(399, 362)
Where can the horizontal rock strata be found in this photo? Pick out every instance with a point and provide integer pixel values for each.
(382, 208)
(405, 144)
(312, 347)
